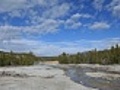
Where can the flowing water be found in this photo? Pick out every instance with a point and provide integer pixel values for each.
(78, 75)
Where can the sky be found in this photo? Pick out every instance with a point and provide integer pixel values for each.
(50, 27)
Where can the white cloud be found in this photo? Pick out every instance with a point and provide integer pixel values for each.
(114, 7)
(74, 21)
(116, 11)
(45, 19)
(15, 13)
(77, 16)
(9, 5)
(76, 25)
(72, 24)
(56, 48)
(98, 4)
(35, 18)
(57, 11)
(47, 26)
(99, 26)
(10, 32)
(45, 3)
(19, 8)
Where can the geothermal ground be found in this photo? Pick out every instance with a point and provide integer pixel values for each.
(60, 77)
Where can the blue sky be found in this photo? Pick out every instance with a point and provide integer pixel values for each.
(50, 27)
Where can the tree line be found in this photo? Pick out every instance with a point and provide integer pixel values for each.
(14, 59)
(108, 56)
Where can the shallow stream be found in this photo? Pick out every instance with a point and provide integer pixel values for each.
(78, 75)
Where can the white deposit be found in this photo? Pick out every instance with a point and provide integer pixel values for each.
(45, 77)
(41, 77)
